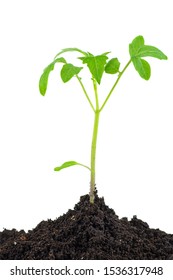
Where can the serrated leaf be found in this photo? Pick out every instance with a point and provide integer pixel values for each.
(68, 71)
(96, 65)
(151, 51)
(71, 50)
(68, 164)
(142, 67)
(44, 77)
(112, 67)
(136, 44)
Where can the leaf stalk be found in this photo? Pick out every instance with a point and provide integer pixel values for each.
(116, 82)
(85, 92)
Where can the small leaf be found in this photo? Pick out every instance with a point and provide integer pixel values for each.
(142, 67)
(71, 50)
(65, 165)
(105, 53)
(96, 65)
(44, 77)
(151, 51)
(112, 67)
(68, 71)
(68, 164)
(136, 44)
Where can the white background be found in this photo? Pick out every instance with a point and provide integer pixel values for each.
(135, 141)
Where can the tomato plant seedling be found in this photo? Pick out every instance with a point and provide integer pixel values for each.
(98, 65)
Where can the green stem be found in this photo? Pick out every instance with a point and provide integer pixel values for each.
(85, 92)
(112, 89)
(94, 144)
(95, 130)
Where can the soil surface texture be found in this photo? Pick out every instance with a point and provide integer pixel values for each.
(89, 232)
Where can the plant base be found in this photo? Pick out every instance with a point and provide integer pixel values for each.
(89, 232)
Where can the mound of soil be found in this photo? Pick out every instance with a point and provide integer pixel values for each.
(89, 232)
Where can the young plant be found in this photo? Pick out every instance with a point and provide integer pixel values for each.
(98, 65)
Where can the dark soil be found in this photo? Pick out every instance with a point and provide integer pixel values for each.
(89, 232)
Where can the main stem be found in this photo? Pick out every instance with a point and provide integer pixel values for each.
(94, 144)
(97, 110)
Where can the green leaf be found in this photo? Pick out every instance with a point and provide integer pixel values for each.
(112, 67)
(142, 67)
(68, 71)
(68, 164)
(138, 49)
(136, 44)
(151, 51)
(44, 77)
(71, 50)
(105, 53)
(65, 165)
(96, 65)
